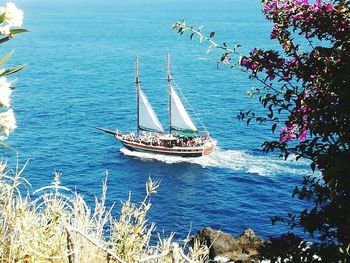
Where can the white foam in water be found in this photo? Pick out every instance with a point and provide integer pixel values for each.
(234, 160)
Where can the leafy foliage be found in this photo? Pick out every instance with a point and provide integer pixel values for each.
(11, 19)
(56, 225)
(305, 90)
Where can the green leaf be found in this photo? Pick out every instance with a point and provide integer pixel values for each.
(23, 168)
(313, 166)
(274, 127)
(7, 147)
(223, 57)
(6, 58)
(17, 31)
(250, 93)
(270, 115)
(4, 39)
(191, 36)
(12, 70)
(2, 17)
(295, 191)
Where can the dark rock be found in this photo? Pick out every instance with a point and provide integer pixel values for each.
(243, 248)
(219, 243)
(249, 242)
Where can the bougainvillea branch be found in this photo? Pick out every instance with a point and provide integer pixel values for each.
(305, 88)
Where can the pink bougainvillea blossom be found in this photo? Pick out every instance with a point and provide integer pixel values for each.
(244, 62)
(288, 133)
(291, 132)
(253, 66)
(302, 135)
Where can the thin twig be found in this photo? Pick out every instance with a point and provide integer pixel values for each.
(94, 242)
(182, 254)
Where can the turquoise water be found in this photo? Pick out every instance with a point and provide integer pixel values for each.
(81, 74)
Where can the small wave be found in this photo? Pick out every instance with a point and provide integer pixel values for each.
(263, 164)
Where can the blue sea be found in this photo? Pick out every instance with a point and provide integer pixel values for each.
(80, 74)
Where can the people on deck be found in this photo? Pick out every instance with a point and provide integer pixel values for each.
(155, 139)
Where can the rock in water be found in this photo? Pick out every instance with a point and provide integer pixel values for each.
(219, 243)
(249, 242)
(243, 248)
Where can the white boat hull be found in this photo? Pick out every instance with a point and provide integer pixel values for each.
(192, 151)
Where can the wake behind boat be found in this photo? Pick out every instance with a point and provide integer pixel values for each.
(183, 138)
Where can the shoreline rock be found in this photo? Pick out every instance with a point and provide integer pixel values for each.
(224, 247)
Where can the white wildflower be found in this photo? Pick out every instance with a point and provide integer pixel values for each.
(5, 92)
(7, 123)
(12, 15)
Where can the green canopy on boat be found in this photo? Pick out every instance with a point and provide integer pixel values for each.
(187, 133)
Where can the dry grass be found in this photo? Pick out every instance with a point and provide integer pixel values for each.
(58, 226)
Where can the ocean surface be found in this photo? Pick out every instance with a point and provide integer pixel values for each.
(80, 75)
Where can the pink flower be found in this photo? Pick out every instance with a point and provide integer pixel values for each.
(273, 35)
(267, 7)
(301, 2)
(293, 62)
(287, 78)
(329, 8)
(315, 89)
(302, 135)
(286, 137)
(226, 59)
(314, 54)
(253, 66)
(245, 62)
(288, 133)
(295, 17)
(310, 35)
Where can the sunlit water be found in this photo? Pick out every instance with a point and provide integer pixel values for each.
(81, 75)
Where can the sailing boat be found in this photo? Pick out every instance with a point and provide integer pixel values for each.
(183, 138)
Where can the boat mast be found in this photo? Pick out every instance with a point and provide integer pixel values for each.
(137, 81)
(169, 89)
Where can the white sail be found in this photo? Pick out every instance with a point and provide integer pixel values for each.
(180, 119)
(148, 119)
